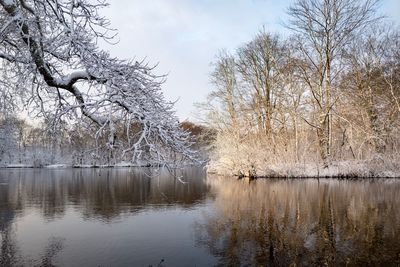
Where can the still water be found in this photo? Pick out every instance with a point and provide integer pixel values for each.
(140, 217)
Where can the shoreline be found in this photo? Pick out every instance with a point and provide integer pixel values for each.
(339, 177)
(338, 170)
(334, 172)
(67, 166)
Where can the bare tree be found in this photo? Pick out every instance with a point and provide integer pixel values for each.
(291, 97)
(372, 82)
(226, 93)
(49, 55)
(259, 65)
(323, 28)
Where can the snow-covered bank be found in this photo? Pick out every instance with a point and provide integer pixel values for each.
(17, 165)
(63, 166)
(56, 166)
(340, 169)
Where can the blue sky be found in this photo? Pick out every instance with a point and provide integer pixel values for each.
(184, 36)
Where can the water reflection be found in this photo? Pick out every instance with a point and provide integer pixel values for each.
(34, 200)
(103, 194)
(130, 217)
(303, 222)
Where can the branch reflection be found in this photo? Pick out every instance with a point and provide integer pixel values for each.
(102, 194)
(303, 222)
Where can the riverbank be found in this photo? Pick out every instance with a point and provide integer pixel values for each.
(339, 169)
(376, 168)
(63, 166)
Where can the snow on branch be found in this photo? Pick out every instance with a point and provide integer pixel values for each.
(41, 40)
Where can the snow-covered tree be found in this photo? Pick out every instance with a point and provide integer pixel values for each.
(8, 138)
(49, 57)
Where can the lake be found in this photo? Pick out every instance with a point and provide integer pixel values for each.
(143, 217)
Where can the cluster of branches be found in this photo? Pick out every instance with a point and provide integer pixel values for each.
(24, 143)
(50, 63)
(331, 87)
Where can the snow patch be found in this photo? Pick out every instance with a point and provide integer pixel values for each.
(56, 166)
(18, 165)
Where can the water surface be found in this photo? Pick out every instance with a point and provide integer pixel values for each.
(137, 217)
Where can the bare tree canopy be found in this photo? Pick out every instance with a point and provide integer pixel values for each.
(50, 58)
(326, 95)
(323, 28)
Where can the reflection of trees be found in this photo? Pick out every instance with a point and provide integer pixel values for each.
(11, 204)
(8, 250)
(303, 222)
(97, 193)
(102, 193)
(54, 246)
(8, 209)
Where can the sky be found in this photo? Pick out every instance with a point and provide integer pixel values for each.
(184, 36)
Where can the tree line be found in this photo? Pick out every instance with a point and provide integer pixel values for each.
(328, 92)
(38, 144)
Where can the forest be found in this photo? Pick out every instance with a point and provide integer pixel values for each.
(322, 100)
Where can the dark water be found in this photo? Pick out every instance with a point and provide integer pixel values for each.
(131, 217)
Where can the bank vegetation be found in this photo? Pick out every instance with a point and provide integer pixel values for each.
(321, 101)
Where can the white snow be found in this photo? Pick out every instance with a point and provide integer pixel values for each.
(18, 165)
(56, 166)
